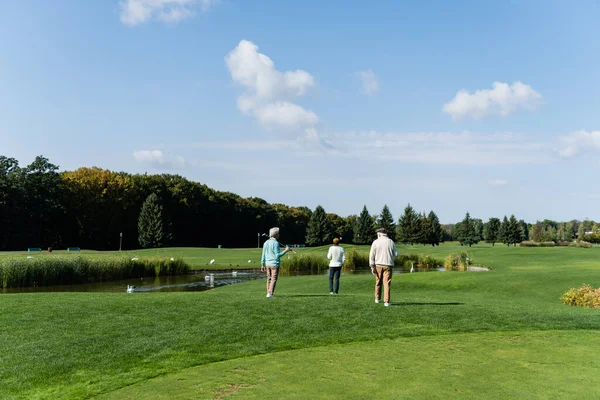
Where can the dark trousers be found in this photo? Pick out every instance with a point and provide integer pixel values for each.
(334, 273)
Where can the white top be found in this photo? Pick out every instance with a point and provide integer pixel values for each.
(337, 255)
(383, 251)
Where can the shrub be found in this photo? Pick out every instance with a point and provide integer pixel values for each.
(547, 244)
(357, 260)
(457, 261)
(581, 243)
(295, 263)
(405, 260)
(563, 243)
(429, 262)
(585, 296)
(529, 243)
(66, 270)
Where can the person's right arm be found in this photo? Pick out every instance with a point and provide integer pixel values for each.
(329, 253)
(372, 256)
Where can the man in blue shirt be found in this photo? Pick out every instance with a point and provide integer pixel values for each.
(270, 260)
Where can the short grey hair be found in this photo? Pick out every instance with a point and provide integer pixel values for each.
(273, 232)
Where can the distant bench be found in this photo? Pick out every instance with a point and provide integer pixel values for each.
(34, 249)
(73, 249)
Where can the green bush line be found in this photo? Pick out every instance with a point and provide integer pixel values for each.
(63, 270)
(579, 243)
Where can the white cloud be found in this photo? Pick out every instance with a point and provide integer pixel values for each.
(158, 159)
(269, 92)
(370, 83)
(136, 12)
(286, 115)
(498, 182)
(579, 141)
(503, 99)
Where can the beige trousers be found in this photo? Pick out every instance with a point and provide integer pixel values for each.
(272, 274)
(383, 277)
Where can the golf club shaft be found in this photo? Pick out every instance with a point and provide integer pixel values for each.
(286, 246)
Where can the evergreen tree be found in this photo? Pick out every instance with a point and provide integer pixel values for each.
(150, 223)
(478, 229)
(515, 234)
(317, 230)
(386, 221)
(435, 233)
(492, 230)
(409, 227)
(524, 230)
(466, 233)
(503, 233)
(364, 232)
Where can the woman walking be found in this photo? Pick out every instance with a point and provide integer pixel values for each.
(337, 255)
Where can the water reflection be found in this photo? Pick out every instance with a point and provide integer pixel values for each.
(197, 281)
(181, 283)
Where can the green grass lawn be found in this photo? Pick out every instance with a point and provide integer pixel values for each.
(497, 334)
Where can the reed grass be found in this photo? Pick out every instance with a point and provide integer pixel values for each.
(67, 270)
(304, 263)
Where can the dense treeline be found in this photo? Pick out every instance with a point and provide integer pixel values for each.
(91, 207)
(511, 231)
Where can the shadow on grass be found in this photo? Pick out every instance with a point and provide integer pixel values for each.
(307, 295)
(426, 304)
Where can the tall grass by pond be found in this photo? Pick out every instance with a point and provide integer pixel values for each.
(355, 261)
(67, 270)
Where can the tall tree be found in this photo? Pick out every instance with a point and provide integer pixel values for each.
(435, 233)
(466, 233)
(150, 224)
(581, 232)
(561, 233)
(409, 226)
(386, 221)
(524, 229)
(504, 232)
(478, 229)
(537, 232)
(491, 231)
(571, 229)
(549, 234)
(318, 229)
(515, 234)
(363, 231)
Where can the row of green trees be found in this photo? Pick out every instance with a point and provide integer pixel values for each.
(546, 231)
(508, 231)
(412, 227)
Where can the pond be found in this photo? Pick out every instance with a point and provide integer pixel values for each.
(194, 282)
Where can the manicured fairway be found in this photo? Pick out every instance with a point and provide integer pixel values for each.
(485, 365)
(449, 330)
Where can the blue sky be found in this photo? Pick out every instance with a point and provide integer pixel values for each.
(482, 106)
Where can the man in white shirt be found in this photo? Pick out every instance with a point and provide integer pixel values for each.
(381, 261)
(337, 255)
